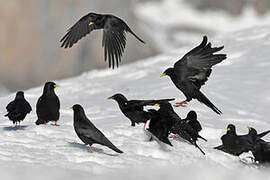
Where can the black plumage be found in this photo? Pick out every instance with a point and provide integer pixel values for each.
(87, 131)
(18, 108)
(48, 105)
(162, 121)
(114, 34)
(133, 109)
(186, 131)
(261, 148)
(235, 144)
(193, 70)
(192, 120)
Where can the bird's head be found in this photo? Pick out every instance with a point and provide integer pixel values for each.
(49, 86)
(118, 97)
(95, 20)
(191, 116)
(231, 129)
(167, 72)
(165, 105)
(252, 131)
(19, 94)
(76, 108)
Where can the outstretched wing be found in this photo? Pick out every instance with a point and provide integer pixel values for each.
(114, 40)
(77, 31)
(196, 64)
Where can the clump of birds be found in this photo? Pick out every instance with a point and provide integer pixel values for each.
(188, 74)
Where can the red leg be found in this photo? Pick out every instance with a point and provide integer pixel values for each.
(144, 125)
(20, 128)
(45, 122)
(181, 103)
(172, 136)
(90, 148)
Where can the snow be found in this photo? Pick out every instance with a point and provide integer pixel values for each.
(177, 23)
(239, 87)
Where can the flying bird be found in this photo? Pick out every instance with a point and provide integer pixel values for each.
(18, 109)
(193, 70)
(48, 105)
(133, 109)
(87, 131)
(114, 34)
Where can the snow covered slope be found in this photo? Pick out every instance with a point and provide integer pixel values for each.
(239, 87)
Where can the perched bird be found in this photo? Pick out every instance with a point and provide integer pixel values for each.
(186, 131)
(87, 131)
(133, 109)
(235, 144)
(18, 109)
(261, 148)
(192, 120)
(114, 34)
(162, 121)
(192, 71)
(48, 105)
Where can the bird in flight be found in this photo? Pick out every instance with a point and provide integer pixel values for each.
(114, 35)
(191, 72)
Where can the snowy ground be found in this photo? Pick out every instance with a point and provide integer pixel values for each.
(239, 87)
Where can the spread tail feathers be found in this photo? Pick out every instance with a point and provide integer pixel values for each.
(203, 99)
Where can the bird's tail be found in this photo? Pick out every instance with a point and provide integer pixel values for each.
(113, 147)
(130, 31)
(203, 99)
(263, 134)
(199, 148)
(202, 138)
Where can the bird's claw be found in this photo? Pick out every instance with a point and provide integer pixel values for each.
(183, 104)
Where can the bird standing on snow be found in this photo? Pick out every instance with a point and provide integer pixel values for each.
(192, 71)
(133, 109)
(87, 132)
(192, 120)
(18, 109)
(48, 105)
(114, 34)
(235, 144)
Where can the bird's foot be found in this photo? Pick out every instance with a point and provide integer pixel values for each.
(144, 126)
(174, 135)
(183, 104)
(55, 124)
(90, 148)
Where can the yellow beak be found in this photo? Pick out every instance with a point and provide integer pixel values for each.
(110, 97)
(163, 74)
(249, 128)
(91, 23)
(228, 129)
(187, 121)
(57, 85)
(71, 107)
(157, 105)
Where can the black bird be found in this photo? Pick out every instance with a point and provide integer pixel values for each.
(235, 144)
(186, 131)
(48, 105)
(261, 148)
(87, 131)
(114, 34)
(162, 121)
(18, 109)
(192, 120)
(133, 109)
(192, 71)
